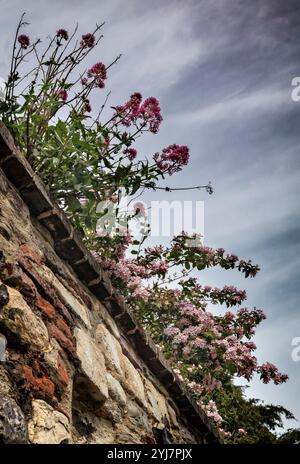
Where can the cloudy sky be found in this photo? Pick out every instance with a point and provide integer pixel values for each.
(222, 70)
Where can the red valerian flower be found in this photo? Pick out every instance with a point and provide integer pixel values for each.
(88, 40)
(150, 112)
(172, 159)
(63, 94)
(131, 153)
(130, 111)
(87, 106)
(98, 72)
(24, 41)
(62, 33)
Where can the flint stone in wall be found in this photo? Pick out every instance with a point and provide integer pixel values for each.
(92, 364)
(4, 296)
(47, 426)
(110, 347)
(21, 320)
(13, 427)
(3, 343)
(5, 384)
(115, 390)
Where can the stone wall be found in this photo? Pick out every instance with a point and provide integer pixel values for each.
(75, 365)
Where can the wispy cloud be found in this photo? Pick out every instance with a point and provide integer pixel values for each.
(241, 105)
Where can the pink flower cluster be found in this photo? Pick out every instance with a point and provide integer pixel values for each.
(148, 112)
(242, 432)
(24, 41)
(139, 209)
(158, 267)
(212, 411)
(88, 40)
(219, 340)
(131, 153)
(131, 275)
(270, 372)
(130, 111)
(98, 73)
(87, 106)
(172, 158)
(63, 34)
(240, 355)
(63, 94)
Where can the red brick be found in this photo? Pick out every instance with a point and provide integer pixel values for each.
(41, 385)
(18, 279)
(64, 327)
(62, 371)
(44, 287)
(64, 341)
(46, 307)
(31, 253)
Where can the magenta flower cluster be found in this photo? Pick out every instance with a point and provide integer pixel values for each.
(95, 76)
(24, 41)
(98, 73)
(131, 153)
(62, 33)
(172, 158)
(147, 112)
(63, 94)
(88, 40)
(87, 106)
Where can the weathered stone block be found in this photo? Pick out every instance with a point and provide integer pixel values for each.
(3, 343)
(48, 426)
(110, 347)
(87, 269)
(126, 321)
(21, 320)
(13, 427)
(92, 364)
(156, 402)
(15, 277)
(133, 382)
